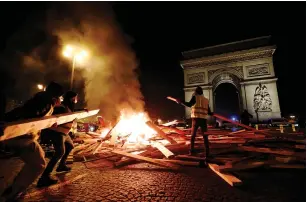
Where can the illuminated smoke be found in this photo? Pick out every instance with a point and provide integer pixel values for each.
(111, 83)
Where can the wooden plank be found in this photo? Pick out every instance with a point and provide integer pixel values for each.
(239, 124)
(233, 122)
(146, 159)
(160, 132)
(155, 153)
(167, 153)
(241, 166)
(230, 179)
(19, 128)
(89, 148)
(285, 159)
(191, 158)
(300, 146)
(176, 130)
(236, 132)
(228, 141)
(288, 166)
(275, 151)
(240, 160)
(179, 162)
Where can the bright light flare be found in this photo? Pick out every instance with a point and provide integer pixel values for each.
(68, 51)
(81, 56)
(73, 52)
(40, 86)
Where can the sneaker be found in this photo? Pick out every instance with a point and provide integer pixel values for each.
(63, 169)
(46, 181)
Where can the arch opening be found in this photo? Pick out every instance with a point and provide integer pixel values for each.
(227, 95)
(227, 101)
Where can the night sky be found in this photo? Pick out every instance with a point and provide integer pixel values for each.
(162, 30)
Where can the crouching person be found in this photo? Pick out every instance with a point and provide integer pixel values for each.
(27, 146)
(61, 141)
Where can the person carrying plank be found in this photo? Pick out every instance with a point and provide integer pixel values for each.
(27, 146)
(199, 113)
(60, 139)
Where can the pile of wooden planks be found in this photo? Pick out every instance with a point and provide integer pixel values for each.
(230, 152)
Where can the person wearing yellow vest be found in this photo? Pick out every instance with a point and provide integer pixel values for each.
(199, 113)
(62, 142)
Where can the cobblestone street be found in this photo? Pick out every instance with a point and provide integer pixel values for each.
(98, 181)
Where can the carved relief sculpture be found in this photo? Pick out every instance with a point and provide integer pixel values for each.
(196, 78)
(262, 99)
(238, 71)
(258, 70)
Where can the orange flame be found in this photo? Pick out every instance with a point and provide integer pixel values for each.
(133, 127)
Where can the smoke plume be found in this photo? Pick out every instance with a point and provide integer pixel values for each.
(111, 83)
(109, 72)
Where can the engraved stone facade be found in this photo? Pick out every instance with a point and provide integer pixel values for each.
(258, 70)
(195, 78)
(251, 71)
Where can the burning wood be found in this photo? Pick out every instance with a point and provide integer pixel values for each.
(146, 159)
(135, 138)
(160, 132)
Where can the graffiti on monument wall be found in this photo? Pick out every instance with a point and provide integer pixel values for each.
(262, 99)
(196, 78)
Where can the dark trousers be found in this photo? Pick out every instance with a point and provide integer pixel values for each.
(202, 123)
(63, 145)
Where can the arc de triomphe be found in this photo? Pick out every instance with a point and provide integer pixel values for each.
(248, 65)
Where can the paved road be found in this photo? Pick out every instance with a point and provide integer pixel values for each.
(98, 181)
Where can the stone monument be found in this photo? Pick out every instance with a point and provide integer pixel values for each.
(248, 65)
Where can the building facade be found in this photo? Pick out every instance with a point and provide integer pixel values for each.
(248, 65)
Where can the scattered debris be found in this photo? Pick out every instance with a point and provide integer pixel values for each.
(139, 140)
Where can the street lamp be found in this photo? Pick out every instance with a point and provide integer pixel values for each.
(77, 55)
(40, 87)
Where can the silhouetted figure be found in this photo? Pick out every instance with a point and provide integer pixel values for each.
(245, 116)
(61, 141)
(199, 113)
(26, 146)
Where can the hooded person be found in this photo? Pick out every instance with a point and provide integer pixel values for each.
(26, 146)
(61, 141)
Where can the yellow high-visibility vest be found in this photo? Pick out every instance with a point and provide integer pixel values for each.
(200, 108)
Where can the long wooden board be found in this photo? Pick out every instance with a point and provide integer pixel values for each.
(284, 152)
(190, 158)
(230, 179)
(167, 153)
(155, 153)
(288, 166)
(18, 128)
(179, 162)
(233, 122)
(146, 159)
(160, 132)
(241, 166)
